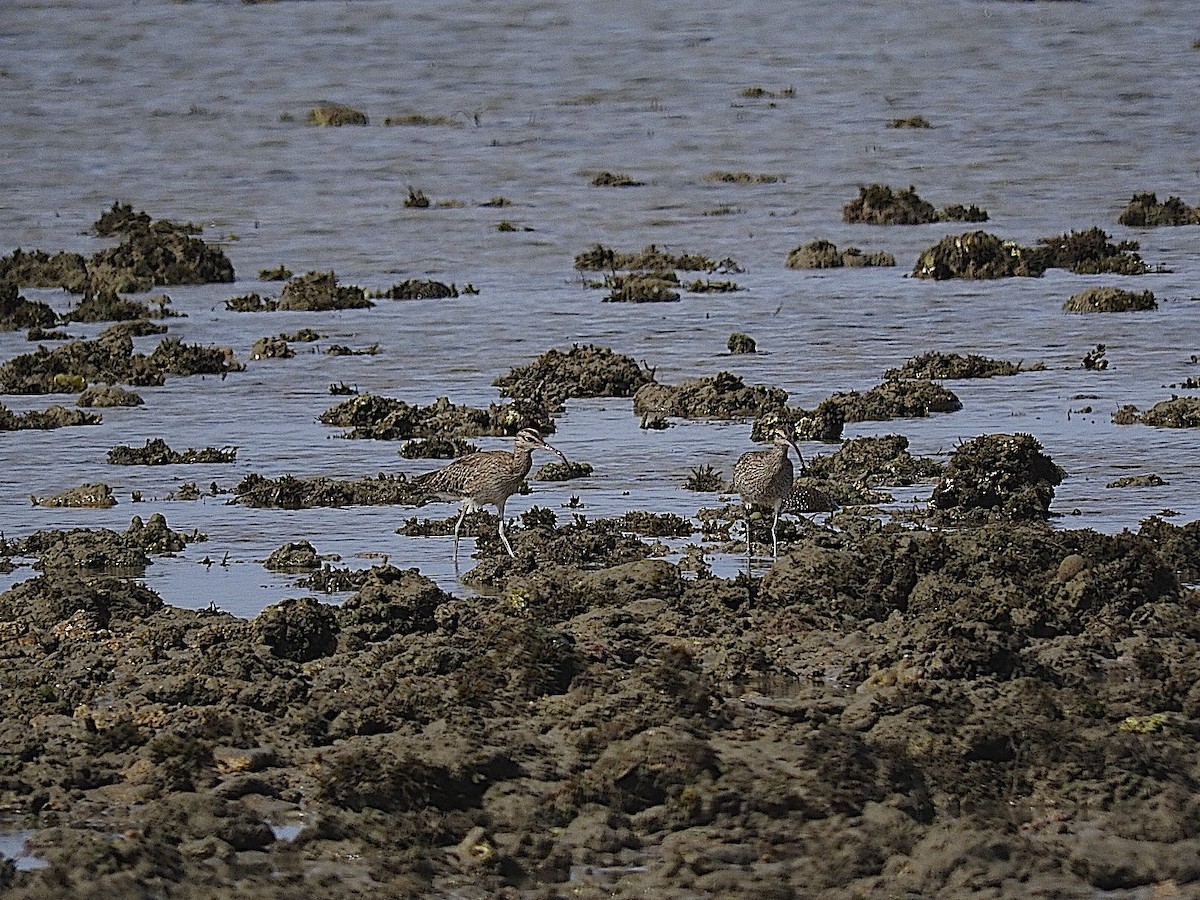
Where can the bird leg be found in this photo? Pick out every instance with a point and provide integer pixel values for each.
(503, 536)
(774, 524)
(462, 513)
(749, 543)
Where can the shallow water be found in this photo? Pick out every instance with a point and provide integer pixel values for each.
(1049, 115)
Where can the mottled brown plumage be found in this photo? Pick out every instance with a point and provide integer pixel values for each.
(486, 478)
(764, 478)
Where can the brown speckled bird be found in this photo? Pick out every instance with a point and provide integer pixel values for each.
(486, 478)
(764, 478)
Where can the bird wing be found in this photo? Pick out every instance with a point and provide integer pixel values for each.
(457, 479)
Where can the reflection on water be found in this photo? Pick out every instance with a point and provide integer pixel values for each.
(1043, 114)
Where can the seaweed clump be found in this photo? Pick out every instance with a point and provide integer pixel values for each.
(1110, 299)
(583, 371)
(420, 289)
(1002, 474)
(822, 254)
(1144, 211)
(878, 204)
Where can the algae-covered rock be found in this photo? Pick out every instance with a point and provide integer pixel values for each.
(1178, 412)
(271, 348)
(394, 601)
(583, 371)
(878, 204)
(389, 419)
(336, 114)
(301, 629)
(896, 399)
(16, 312)
(35, 268)
(721, 396)
(108, 395)
(978, 255)
(741, 343)
(106, 306)
(294, 556)
(153, 253)
(562, 471)
(974, 255)
(290, 492)
(651, 258)
(1110, 299)
(614, 179)
(92, 496)
(955, 365)
(1145, 211)
(321, 291)
(44, 420)
(109, 358)
(421, 289)
(879, 459)
(436, 448)
(822, 254)
(642, 287)
(1006, 474)
(825, 423)
(157, 453)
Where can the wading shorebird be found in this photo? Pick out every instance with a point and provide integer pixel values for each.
(764, 478)
(486, 478)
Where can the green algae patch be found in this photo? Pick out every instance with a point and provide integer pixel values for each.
(584, 370)
(823, 254)
(1110, 300)
(1145, 211)
(934, 365)
(879, 204)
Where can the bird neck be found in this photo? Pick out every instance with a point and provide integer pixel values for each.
(522, 460)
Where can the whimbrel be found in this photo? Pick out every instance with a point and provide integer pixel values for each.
(764, 478)
(488, 477)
